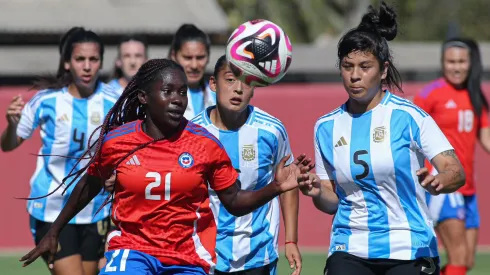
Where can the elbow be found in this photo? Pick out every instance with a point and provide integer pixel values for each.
(236, 212)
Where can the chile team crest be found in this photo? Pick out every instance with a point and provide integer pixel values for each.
(186, 160)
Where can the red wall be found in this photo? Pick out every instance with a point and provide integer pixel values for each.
(298, 106)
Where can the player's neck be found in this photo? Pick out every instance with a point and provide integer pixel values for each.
(355, 107)
(123, 82)
(226, 120)
(155, 132)
(79, 92)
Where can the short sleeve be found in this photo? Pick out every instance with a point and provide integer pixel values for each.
(104, 163)
(430, 139)
(284, 149)
(484, 119)
(222, 174)
(29, 119)
(323, 168)
(424, 102)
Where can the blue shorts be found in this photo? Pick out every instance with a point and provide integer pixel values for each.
(454, 206)
(127, 261)
(472, 213)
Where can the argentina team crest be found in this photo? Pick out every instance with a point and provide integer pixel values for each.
(248, 152)
(186, 160)
(379, 134)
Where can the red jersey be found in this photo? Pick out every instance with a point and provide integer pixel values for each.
(453, 112)
(161, 202)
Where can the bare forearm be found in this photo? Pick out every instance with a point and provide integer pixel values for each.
(244, 202)
(327, 201)
(290, 208)
(82, 194)
(452, 178)
(9, 139)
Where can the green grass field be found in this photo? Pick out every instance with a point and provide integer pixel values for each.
(313, 264)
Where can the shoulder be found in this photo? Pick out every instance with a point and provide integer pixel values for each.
(201, 135)
(42, 95)
(432, 88)
(406, 107)
(108, 92)
(122, 132)
(200, 119)
(267, 122)
(329, 118)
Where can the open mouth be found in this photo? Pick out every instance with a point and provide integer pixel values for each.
(236, 101)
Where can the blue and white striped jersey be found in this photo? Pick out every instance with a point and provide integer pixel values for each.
(255, 150)
(373, 159)
(198, 101)
(66, 124)
(116, 88)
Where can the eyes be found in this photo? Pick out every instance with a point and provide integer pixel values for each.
(349, 66)
(168, 92)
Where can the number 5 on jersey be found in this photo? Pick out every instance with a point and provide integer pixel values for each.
(156, 183)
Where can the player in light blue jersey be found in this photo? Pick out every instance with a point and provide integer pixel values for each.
(132, 52)
(255, 142)
(67, 110)
(370, 170)
(191, 48)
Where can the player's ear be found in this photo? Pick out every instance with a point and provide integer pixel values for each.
(213, 83)
(384, 69)
(142, 97)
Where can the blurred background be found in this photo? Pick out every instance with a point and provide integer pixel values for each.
(30, 31)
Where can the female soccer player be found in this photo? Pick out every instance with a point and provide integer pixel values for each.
(190, 48)
(256, 142)
(369, 156)
(457, 104)
(67, 109)
(164, 164)
(132, 52)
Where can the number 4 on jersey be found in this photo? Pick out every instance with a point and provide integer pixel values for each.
(158, 181)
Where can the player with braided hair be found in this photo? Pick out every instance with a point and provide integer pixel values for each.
(68, 107)
(164, 164)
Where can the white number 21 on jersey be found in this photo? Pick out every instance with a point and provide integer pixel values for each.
(158, 180)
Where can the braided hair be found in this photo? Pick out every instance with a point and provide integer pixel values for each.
(127, 108)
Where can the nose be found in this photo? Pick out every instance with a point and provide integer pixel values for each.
(194, 64)
(178, 99)
(238, 87)
(86, 66)
(355, 75)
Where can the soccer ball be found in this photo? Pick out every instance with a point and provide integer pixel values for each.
(259, 53)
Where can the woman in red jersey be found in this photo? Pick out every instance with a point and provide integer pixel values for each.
(457, 104)
(164, 164)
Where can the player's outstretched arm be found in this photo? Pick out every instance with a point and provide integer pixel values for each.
(85, 190)
(450, 175)
(321, 191)
(241, 202)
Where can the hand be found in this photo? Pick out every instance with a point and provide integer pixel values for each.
(310, 184)
(48, 244)
(286, 176)
(429, 182)
(15, 110)
(294, 258)
(302, 165)
(110, 183)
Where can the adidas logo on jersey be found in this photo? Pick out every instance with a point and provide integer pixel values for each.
(341, 142)
(451, 104)
(133, 161)
(64, 117)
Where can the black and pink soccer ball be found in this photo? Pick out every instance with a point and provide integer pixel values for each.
(259, 53)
